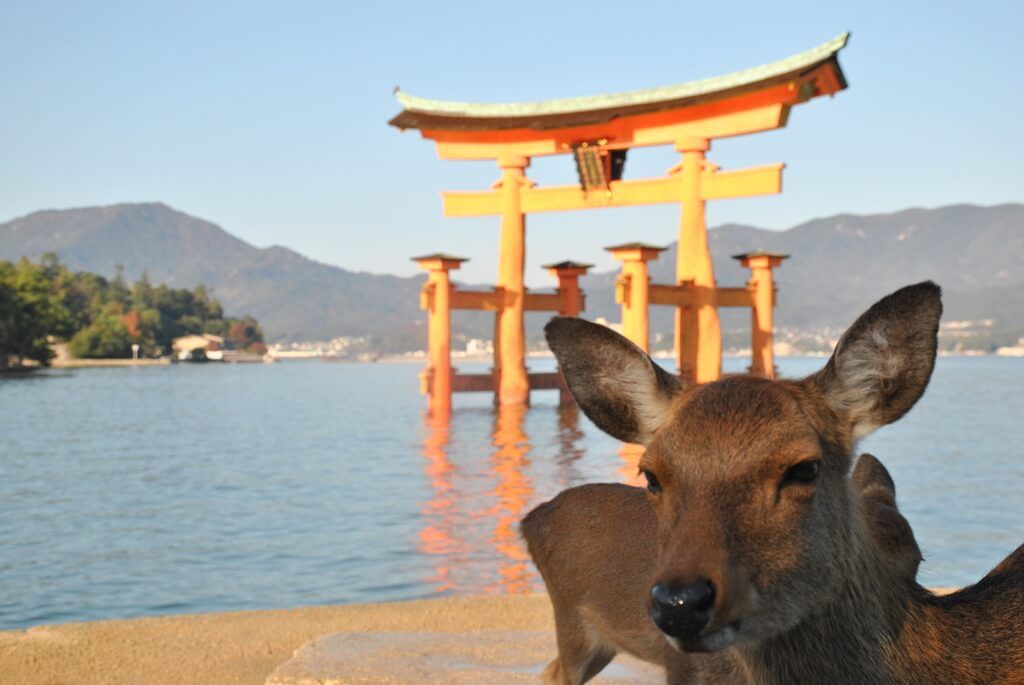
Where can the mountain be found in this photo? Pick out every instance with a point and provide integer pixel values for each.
(293, 297)
(839, 264)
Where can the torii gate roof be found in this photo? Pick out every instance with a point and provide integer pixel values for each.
(816, 72)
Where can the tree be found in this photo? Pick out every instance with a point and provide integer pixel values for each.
(246, 334)
(31, 309)
(105, 338)
(104, 318)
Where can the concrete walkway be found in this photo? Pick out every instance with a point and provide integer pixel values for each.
(470, 658)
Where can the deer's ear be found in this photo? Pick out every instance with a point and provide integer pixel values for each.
(882, 364)
(888, 528)
(871, 479)
(616, 384)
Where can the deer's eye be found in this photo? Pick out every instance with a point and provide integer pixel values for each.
(653, 486)
(802, 472)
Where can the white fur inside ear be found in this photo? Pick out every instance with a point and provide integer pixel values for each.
(863, 430)
(864, 367)
(633, 380)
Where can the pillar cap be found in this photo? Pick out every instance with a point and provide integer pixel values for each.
(760, 253)
(635, 251)
(439, 260)
(773, 258)
(635, 246)
(567, 264)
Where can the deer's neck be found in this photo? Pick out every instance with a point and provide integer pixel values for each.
(883, 628)
(850, 640)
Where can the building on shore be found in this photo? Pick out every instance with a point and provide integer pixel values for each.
(1012, 350)
(194, 348)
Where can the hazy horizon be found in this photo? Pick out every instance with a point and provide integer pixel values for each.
(533, 279)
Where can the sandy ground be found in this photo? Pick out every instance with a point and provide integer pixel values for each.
(239, 647)
(472, 640)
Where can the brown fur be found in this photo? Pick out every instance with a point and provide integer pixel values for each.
(596, 548)
(811, 581)
(598, 581)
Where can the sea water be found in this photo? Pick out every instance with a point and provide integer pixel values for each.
(192, 488)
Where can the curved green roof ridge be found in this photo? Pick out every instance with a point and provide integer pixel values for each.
(814, 56)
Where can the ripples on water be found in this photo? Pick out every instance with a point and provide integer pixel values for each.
(127, 492)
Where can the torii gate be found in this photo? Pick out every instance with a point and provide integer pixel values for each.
(598, 131)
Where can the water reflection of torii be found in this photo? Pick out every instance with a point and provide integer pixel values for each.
(569, 435)
(449, 535)
(569, 452)
(437, 537)
(513, 491)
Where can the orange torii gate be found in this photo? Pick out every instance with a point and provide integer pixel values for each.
(598, 132)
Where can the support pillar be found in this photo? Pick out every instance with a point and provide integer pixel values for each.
(570, 303)
(698, 331)
(510, 344)
(633, 292)
(570, 296)
(437, 378)
(761, 283)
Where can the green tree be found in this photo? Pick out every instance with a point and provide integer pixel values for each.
(103, 318)
(106, 338)
(31, 309)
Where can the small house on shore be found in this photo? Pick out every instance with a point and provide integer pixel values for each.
(195, 348)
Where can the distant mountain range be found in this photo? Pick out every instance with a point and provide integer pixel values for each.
(839, 265)
(293, 297)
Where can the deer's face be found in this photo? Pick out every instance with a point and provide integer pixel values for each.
(750, 478)
(753, 500)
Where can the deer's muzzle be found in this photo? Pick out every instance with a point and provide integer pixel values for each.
(683, 611)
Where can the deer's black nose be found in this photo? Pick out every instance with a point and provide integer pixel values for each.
(682, 611)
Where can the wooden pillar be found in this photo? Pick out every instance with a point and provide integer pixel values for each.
(437, 301)
(761, 283)
(570, 303)
(634, 293)
(510, 345)
(698, 331)
(496, 345)
(570, 297)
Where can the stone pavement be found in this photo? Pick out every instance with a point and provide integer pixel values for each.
(467, 658)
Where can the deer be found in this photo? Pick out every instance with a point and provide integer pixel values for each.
(757, 558)
(596, 574)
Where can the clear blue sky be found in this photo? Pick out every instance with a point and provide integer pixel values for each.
(269, 119)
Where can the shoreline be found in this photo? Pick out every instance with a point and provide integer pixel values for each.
(63, 364)
(106, 363)
(473, 359)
